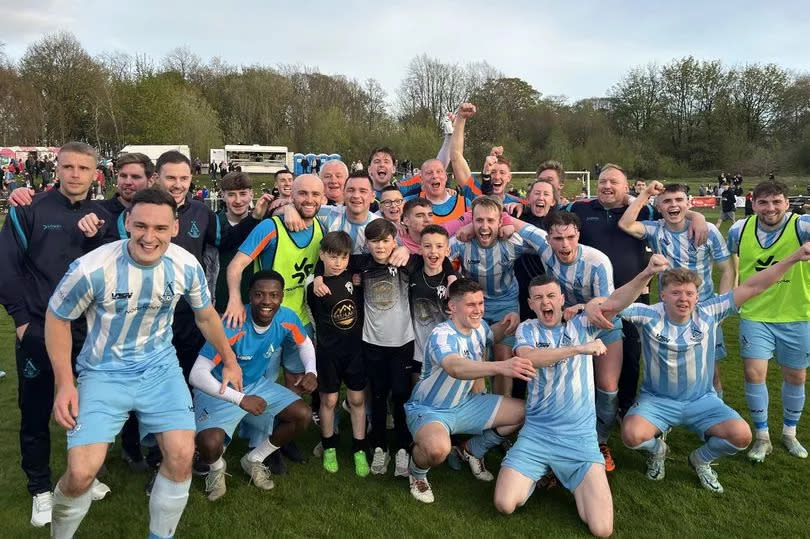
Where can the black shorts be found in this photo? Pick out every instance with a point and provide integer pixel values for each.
(413, 367)
(336, 366)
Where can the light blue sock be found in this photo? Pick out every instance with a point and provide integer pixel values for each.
(166, 505)
(756, 395)
(792, 403)
(714, 448)
(607, 403)
(416, 471)
(654, 446)
(478, 446)
(67, 513)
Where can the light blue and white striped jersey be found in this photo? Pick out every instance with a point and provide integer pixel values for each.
(493, 268)
(438, 389)
(334, 218)
(683, 253)
(679, 359)
(588, 277)
(129, 307)
(560, 399)
(767, 237)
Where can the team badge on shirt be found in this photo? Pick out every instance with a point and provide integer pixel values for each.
(194, 231)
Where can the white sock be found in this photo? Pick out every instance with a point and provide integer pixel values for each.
(217, 464)
(763, 434)
(68, 513)
(261, 452)
(166, 505)
(789, 430)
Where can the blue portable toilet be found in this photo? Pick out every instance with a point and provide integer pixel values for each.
(297, 159)
(323, 158)
(310, 160)
(334, 157)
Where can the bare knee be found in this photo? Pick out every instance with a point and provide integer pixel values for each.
(601, 527)
(298, 413)
(77, 480)
(504, 503)
(633, 436)
(177, 463)
(329, 400)
(754, 373)
(436, 451)
(797, 377)
(356, 398)
(740, 436)
(210, 444)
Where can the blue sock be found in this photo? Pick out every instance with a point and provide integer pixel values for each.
(714, 448)
(756, 395)
(792, 403)
(654, 446)
(478, 446)
(607, 403)
(417, 472)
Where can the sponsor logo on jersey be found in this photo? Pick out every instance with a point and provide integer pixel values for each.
(51, 227)
(270, 351)
(121, 295)
(302, 270)
(662, 338)
(344, 314)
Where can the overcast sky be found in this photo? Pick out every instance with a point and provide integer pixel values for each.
(577, 49)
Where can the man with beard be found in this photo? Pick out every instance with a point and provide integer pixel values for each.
(778, 322)
(600, 229)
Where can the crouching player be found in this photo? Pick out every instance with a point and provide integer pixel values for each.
(442, 403)
(677, 343)
(559, 432)
(219, 409)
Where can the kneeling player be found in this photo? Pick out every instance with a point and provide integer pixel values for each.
(442, 404)
(559, 433)
(219, 409)
(677, 342)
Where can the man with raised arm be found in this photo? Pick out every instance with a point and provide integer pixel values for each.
(677, 338)
(668, 236)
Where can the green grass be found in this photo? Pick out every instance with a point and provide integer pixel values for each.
(765, 500)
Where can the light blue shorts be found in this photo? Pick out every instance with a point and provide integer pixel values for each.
(699, 415)
(473, 416)
(569, 458)
(494, 312)
(214, 413)
(614, 334)
(159, 397)
(290, 359)
(790, 341)
(720, 344)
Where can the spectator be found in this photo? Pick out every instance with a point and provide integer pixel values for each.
(728, 203)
